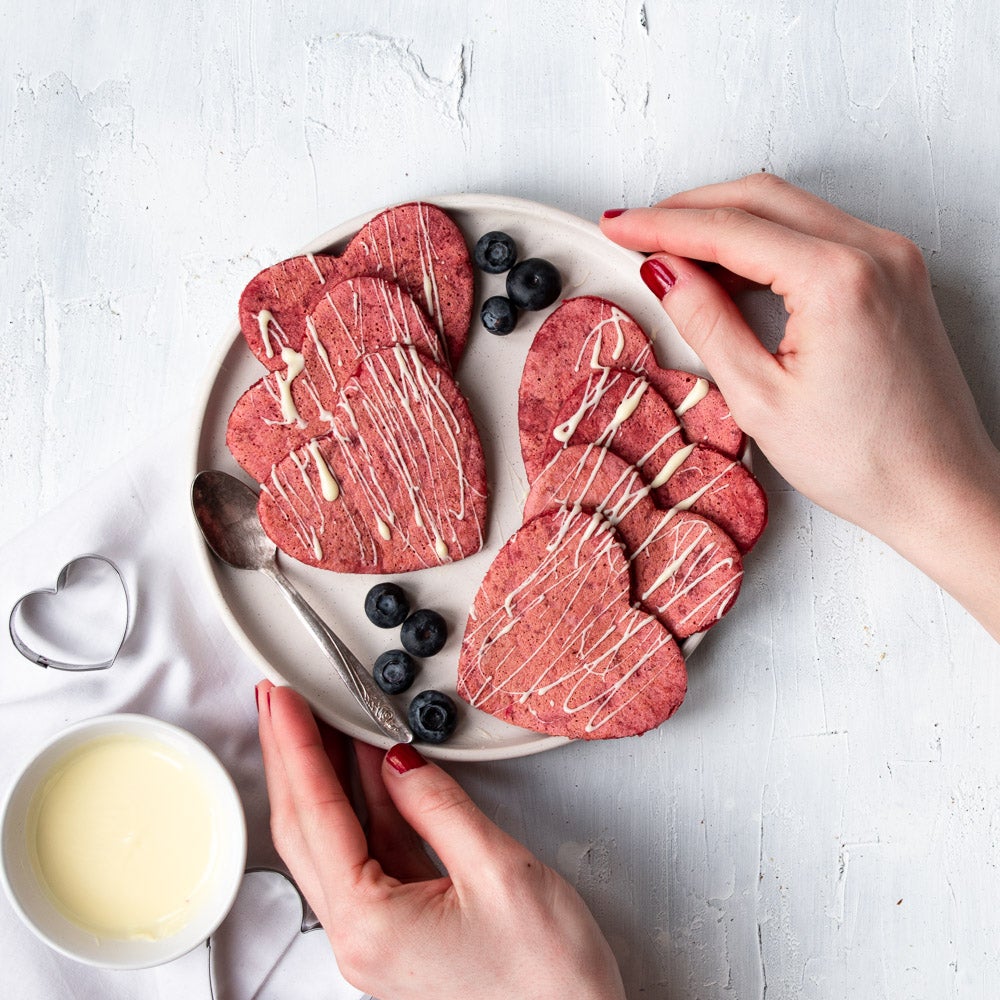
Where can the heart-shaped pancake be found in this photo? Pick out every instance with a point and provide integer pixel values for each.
(286, 409)
(588, 333)
(686, 569)
(553, 644)
(416, 246)
(398, 484)
(620, 410)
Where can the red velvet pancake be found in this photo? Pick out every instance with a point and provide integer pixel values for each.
(620, 410)
(553, 644)
(587, 333)
(351, 318)
(399, 484)
(685, 569)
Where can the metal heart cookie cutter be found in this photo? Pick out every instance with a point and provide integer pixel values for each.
(81, 623)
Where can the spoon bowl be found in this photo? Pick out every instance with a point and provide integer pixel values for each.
(226, 509)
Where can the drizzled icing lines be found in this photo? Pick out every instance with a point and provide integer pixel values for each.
(590, 339)
(564, 647)
(361, 315)
(633, 400)
(399, 452)
(686, 569)
(427, 254)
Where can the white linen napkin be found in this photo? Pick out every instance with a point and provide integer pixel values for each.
(179, 664)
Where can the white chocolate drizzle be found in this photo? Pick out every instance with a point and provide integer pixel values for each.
(592, 395)
(429, 278)
(395, 437)
(676, 460)
(698, 392)
(329, 486)
(599, 383)
(596, 338)
(294, 363)
(319, 273)
(567, 650)
(265, 320)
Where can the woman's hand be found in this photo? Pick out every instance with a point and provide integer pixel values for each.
(499, 925)
(863, 407)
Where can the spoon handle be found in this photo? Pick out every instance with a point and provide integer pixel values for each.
(347, 665)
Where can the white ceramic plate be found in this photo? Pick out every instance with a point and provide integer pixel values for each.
(489, 374)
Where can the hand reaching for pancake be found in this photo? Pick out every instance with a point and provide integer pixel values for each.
(863, 407)
(500, 924)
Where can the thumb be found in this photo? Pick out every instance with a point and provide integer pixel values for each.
(442, 814)
(707, 318)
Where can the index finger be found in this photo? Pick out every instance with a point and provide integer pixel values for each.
(756, 248)
(770, 197)
(323, 812)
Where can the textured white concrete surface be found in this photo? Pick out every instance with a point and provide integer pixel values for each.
(820, 819)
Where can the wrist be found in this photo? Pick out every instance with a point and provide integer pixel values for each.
(952, 533)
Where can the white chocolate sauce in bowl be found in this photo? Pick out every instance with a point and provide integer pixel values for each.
(121, 835)
(123, 842)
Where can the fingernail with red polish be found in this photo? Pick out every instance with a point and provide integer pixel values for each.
(402, 758)
(658, 277)
(256, 697)
(613, 213)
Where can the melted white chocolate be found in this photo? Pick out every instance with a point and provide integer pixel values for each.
(698, 392)
(294, 363)
(264, 320)
(319, 273)
(328, 482)
(122, 836)
(676, 460)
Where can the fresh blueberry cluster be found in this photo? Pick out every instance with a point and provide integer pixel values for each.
(433, 715)
(531, 284)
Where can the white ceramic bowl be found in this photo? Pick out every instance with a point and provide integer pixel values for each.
(35, 905)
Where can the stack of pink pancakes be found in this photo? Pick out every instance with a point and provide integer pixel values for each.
(366, 452)
(634, 529)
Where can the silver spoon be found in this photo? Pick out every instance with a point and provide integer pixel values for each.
(226, 509)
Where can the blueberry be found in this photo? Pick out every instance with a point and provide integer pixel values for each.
(495, 253)
(424, 633)
(432, 716)
(386, 605)
(394, 671)
(499, 315)
(534, 284)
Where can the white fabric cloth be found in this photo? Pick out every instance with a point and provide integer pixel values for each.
(178, 663)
